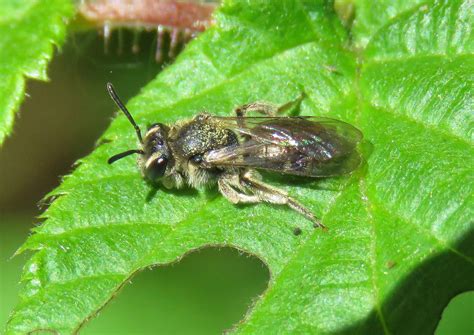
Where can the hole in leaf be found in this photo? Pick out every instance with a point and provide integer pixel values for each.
(207, 292)
(458, 316)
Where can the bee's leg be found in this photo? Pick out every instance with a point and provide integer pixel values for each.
(290, 106)
(227, 186)
(259, 107)
(267, 108)
(273, 195)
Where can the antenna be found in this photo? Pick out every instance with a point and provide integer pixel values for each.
(118, 102)
(124, 154)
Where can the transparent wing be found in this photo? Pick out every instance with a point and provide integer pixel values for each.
(275, 129)
(308, 146)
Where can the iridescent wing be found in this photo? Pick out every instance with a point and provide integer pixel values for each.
(306, 146)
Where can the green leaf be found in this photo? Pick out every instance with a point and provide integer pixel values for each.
(400, 239)
(28, 30)
(373, 15)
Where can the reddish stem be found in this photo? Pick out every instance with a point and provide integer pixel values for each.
(192, 15)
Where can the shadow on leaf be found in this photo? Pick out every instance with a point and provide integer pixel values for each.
(410, 308)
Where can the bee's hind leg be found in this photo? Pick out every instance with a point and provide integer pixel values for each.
(229, 185)
(233, 186)
(268, 108)
(259, 107)
(273, 195)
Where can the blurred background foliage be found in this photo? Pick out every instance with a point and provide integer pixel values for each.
(208, 291)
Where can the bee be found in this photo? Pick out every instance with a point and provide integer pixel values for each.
(228, 151)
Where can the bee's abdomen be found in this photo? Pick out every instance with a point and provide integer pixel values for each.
(197, 138)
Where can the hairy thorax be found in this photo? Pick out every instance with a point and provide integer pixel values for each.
(191, 140)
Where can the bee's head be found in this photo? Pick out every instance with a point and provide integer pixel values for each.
(155, 153)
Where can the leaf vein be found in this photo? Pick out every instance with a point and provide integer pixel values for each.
(373, 256)
(442, 243)
(426, 126)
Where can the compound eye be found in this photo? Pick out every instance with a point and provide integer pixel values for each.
(156, 168)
